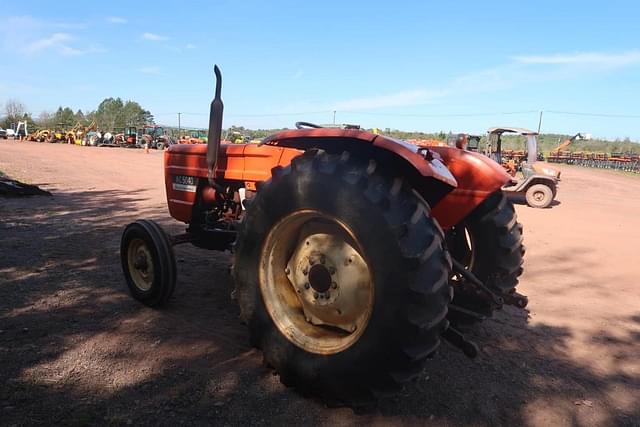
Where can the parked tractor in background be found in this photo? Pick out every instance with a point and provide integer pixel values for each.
(341, 267)
(126, 137)
(130, 136)
(464, 141)
(155, 137)
(534, 180)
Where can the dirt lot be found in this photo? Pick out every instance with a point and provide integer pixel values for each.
(76, 349)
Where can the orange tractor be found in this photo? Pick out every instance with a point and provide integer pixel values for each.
(342, 269)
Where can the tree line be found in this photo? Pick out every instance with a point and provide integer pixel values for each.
(114, 113)
(111, 114)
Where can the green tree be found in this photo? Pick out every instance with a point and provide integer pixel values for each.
(135, 115)
(113, 113)
(109, 114)
(80, 118)
(64, 117)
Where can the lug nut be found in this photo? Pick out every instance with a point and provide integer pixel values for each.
(323, 259)
(287, 271)
(305, 271)
(332, 270)
(307, 286)
(334, 285)
(312, 261)
(315, 295)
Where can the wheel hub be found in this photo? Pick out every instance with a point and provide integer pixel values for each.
(140, 265)
(141, 262)
(320, 278)
(330, 278)
(316, 285)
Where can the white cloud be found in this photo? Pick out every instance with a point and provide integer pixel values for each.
(154, 37)
(150, 70)
(116, 20)
(71, 51)
(399, 99)
(56, 40)
(502, 77)
(190, 46)
(37, 36)
(593, 58)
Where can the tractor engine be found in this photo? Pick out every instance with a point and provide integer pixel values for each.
(218, 210)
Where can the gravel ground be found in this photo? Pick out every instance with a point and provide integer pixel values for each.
(76, 349)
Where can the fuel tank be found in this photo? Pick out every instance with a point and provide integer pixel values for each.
(185, 168)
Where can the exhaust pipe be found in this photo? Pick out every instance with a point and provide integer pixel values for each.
(215, 128)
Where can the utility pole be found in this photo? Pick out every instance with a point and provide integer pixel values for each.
(334, 117)
(179, 125)
(540, 122)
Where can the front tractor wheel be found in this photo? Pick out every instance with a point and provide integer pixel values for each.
(148, 262)
(539, 196)
(341, 275)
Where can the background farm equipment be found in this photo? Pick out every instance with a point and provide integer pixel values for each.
(21, 131)
(559, 155)
(41, 135)
(95, 138)
(126, 137)
(59, 134)
(155, 137)
(628, 162)
(340, 265)
(195, 136)
(130, 137)
(535, 181)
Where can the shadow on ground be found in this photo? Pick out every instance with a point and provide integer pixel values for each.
(76, 349)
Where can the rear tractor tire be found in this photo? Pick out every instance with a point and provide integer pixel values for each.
(539, 196)
(489, 243)
(148, 262)
(342, 277)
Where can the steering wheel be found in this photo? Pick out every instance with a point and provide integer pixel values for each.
(302, 125)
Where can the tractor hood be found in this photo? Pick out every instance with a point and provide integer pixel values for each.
(544, 169)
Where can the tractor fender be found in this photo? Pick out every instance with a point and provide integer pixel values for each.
(478, 177)
(426, 173)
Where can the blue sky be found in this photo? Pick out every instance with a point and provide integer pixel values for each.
(411, 65)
